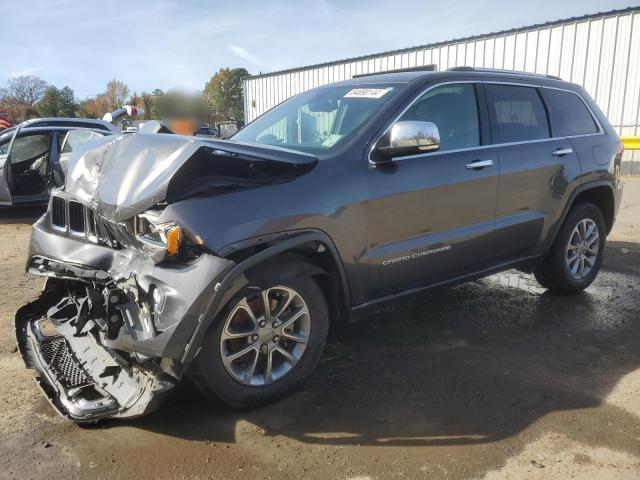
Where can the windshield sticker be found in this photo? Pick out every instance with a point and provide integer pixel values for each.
(331, 140)
(367, 92)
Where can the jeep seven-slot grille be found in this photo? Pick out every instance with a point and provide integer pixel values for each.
(91, 223)
(58, 212)
(75, 218)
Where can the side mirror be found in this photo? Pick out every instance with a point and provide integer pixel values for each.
(407, 137)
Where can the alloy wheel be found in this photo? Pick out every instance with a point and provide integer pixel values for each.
(582, 249)
(265, 336)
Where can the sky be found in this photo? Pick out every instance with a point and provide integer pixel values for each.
(164, 43)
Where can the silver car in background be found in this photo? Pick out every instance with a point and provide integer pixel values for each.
(33, 155)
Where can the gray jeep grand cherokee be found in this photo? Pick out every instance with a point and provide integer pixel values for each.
(227, 261)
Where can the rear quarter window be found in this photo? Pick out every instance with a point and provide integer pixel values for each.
(517, 113)
(569, 114)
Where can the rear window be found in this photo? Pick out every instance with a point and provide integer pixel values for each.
(569, 113)
(518, 113)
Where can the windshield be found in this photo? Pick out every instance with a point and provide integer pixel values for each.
(318, 120)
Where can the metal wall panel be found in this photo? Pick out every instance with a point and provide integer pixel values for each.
(600, 52)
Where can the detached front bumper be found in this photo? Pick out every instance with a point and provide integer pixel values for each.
(81, 379)
(99, 345)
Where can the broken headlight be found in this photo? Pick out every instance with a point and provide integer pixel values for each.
(162, 239)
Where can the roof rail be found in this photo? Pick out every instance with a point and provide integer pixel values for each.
(424, 68)
(505, 72)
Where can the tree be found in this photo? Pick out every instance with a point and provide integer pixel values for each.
(26, 90)
(21, 95)
(67, 103)
(49, 106)
(57, 103)
(135, 100)
(224, 94)
(154, 101)
(89, 109)
(116, 95)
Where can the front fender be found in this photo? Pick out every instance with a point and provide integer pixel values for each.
(236, 280)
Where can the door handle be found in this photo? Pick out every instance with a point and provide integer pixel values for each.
(478, 164)
(561, 152)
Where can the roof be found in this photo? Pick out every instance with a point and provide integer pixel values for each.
(52, 121)
(452, 41)
(400, 76)
(64, 128)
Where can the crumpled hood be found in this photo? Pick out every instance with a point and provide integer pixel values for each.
(124, 175)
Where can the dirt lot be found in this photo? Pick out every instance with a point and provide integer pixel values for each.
(493, 379)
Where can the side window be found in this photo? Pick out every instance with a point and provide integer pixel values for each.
(4, 146)
(518, 113)
(75, 138)
(454, 110)
(30, 152)
(569, 113)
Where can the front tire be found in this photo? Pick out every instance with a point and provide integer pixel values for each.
(577, 252)
(264, 344)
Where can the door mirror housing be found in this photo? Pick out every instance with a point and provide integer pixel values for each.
(407, 137)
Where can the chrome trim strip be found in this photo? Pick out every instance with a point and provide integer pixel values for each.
(480, 147)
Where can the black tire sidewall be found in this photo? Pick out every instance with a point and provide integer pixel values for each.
(582, 212)
(217, 382)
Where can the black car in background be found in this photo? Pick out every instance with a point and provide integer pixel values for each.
(228, 261)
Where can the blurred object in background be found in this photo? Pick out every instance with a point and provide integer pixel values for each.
(183, 111)
(4, 121)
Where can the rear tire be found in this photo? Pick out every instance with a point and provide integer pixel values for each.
(576, 255)
(249, 381)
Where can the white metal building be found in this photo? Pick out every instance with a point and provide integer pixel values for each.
(601, 52)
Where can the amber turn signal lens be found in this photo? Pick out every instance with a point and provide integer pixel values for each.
(174, 237)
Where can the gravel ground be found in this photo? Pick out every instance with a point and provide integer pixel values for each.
(494, 379)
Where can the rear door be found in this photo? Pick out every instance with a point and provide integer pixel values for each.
(431, 216)
(536, 169)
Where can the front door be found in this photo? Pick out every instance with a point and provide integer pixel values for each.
(5, 168)
(26, 167)
(431, 216)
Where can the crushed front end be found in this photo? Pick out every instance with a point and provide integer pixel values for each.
(109, 333)
(132, 276)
